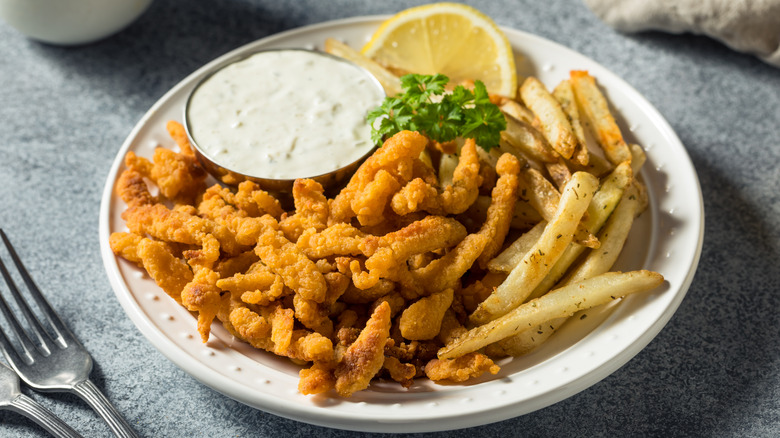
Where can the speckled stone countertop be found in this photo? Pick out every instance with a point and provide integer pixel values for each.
(714, 370)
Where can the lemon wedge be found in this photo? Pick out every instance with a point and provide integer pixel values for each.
(448, 38)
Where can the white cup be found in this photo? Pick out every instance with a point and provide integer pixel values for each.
(70, 22)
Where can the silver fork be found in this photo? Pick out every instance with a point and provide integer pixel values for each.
(12, 399)
(60, 364)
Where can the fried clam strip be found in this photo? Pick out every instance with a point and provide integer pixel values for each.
(219, 204)
(370, 188)
(338, 239)
(555, 125)
(358, 364)
(561, 302)
(468, 366)
(132, 188)
(387, 255)
(311, 209)
(594, 107)
(255, 201)
(556, 237)
(168, 271)
(445, 272)
(258, 285)
(179, 176)
(272, 330)
(298, 272)
(419, 195)
(178, 225)
(422, 319)
(597, 262)
(203, 296)
(501, 210)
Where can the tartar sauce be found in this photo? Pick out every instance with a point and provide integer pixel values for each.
(284, 114)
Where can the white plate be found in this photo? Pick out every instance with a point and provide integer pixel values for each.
(667, 238)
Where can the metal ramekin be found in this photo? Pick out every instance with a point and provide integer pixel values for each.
(232, 177)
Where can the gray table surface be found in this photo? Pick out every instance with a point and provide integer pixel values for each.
(714, 370)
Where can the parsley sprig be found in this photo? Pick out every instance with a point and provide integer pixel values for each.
(462, 113)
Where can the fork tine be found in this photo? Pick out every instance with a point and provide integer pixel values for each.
(10, 353)
(63, 334)
(13, 321)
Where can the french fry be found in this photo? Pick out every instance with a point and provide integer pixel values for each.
(514, 253)
(390, 82)
(557, 235)
(521, 137)
(544, 197)
(559, 172)
(517, 110)
(594, 107)
(555, 125)
(564, 94)
(598, 261)
(612, 237)
(638, 157)
(601, 206)
(559, 303)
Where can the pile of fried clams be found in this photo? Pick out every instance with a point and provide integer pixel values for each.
(368, 284)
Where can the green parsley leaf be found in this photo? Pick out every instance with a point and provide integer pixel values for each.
(424, 106)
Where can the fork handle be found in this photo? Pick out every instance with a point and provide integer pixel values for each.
(34, 411)
(100, 404)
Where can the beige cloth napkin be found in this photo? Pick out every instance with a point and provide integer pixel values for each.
(751, 26)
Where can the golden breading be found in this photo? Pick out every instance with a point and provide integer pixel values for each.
(179, 135)
(258, 331)
(337, 239)
(402, 373)
(463, 368)
(203, 296)
(311, 209)
(501, 210)
(168, 271)
(132, 188)
(256, 202)
(316, 380)
(162, 223)
(364, 358)
(179, 176)
(298, 271)
(445, 272)
(395, 157)
(454, 199)
(422, 319)
(388, 254)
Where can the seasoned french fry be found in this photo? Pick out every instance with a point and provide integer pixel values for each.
(557, 235)
(390, 82)
(601, 206)
(564, 93)
(514, 253)
(594, 107)
(559, 303)
(544, 197)
(517, 110)
(555, 124)
(598, 261)
(613, 237)
(521, 137)
(638, 157)
(559, 172)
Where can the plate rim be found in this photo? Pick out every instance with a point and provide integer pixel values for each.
(324, 417)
